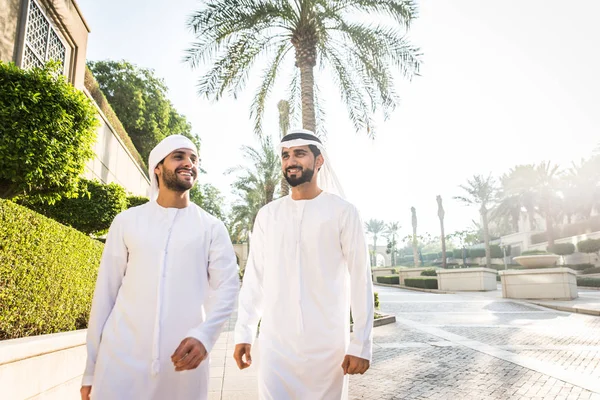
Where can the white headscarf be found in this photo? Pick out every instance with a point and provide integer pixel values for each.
(163, 149)
(326, 178)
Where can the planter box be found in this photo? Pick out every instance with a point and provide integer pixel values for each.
(467, 279)
(411, 273)
(46, 366)
(375, 272)
(546, 283)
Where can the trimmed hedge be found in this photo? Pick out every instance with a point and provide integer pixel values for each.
(562, 249)
(579, 267)
(534, 253)
(429, 272)
(421, 282)
(47, 274)
(134, 201)
(389, 279)
(589, 246)
(589, 282)
(594, 270)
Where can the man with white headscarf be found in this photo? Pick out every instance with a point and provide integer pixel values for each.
(308, 268)
(150, 332)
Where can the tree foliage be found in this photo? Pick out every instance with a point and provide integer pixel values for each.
(360, 56)
(47, 129)
(139, 99)
(209, 198)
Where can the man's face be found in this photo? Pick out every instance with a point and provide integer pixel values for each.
(178, 171)
(298, 164)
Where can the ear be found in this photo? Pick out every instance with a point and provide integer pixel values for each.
(319, 161)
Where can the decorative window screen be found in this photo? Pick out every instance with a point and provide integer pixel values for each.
(42, 43)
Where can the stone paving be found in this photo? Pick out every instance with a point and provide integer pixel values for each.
(458, 346)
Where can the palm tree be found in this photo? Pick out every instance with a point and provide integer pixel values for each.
(546, 189)
(360, 55)
(374, 227)
(415, 240)
(517, 192)
(391, 230)
(581, 187)
(441, 214)
(481, 191)
(255, 184)
(284, 125)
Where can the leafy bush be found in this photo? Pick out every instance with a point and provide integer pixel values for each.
(588, 282)
(594, 270)
(562, 249)
(376, 299)
(458, 253)
(134, 201)
(475, 253)
(496, 251)
(430, 256)
(534, 253)
(421, 282)
(429, 272)
(579, 267)
(389, 279)
(47, 274)
(47, 129)
(589, 246)
(92, 212)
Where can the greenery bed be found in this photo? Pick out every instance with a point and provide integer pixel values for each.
(421, 282)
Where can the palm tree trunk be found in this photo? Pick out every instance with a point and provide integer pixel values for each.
(307, 85)
(414, 238)
(374, 251)
(284, 124)
(441, 217)
(486, 237)
(549, 225)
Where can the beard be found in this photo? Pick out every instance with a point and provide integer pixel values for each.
(304, 176)
(172, 181)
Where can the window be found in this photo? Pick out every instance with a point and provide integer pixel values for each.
(42, 43)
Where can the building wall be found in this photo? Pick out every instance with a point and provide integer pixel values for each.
(114, 163)
(9, 22)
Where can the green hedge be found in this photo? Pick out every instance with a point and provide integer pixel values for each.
(534, 253)
(429, 272)
(579, 267)
(589, 246)
(430, 256)
(91, 212)
(390, 279)
(589, 282)
(421, 282)
(134, 201)
(562, 249)
(594, 270)
(47, 274)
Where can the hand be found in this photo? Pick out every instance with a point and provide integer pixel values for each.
(355, 365)
(241, 350)
(85, 392)
(190, 353)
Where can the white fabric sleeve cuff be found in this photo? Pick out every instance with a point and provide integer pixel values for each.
(198, 335)
(244, 334)
(360, 351)
(87, 380)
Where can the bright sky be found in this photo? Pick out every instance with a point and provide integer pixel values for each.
(504, 82)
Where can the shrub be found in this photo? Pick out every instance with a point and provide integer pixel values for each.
(496, 251)
(134, 201)
(389, 279)
(430, 256)
(429, 272)
(589, 282)
(589, 246)
(534, 253)
(562, 249)
(47, 129)
(458, 253)
(92, 212)
(579, 267)
(423, 283)
(540, 237)
(47, 274)
(593, 270)
(475, 253)
(376, 299)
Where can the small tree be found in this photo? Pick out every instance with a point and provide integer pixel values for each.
(562, 249)
(47, 129)
(209, 198)
(589, 246)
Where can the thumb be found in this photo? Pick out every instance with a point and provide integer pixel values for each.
(346, 364)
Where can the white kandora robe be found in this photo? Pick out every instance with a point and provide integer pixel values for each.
(308, 265)
(158, 267)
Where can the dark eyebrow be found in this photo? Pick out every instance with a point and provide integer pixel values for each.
(300, 151)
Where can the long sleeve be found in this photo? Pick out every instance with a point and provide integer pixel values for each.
(224, 285)
(250, 305)
(110, 276)
(354, 247)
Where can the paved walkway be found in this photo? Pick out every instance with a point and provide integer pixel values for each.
(459, 346)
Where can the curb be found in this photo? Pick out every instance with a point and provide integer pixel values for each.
(415, 289)
(567, 309)
(384, 320)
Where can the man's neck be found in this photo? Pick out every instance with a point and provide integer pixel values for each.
(306, 191)
(170, 199)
